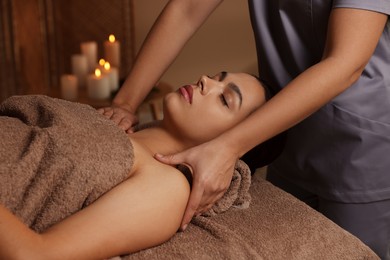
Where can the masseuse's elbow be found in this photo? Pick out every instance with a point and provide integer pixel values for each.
(348, 70)
(193, 12)
(355, 74)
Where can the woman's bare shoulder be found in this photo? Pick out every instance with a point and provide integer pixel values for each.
(142, 211)
(145, 164)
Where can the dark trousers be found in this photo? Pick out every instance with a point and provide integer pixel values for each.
(370, 222)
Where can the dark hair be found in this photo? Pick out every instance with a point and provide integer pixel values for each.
(266, 152)
(269, 92)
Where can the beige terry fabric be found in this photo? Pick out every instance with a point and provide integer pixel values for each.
(237, 195)
(275, 226)
(57, 157)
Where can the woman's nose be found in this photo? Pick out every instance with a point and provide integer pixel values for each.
(206, 84)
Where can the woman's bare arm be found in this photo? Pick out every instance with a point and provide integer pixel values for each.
(15, 237)
(141, 212)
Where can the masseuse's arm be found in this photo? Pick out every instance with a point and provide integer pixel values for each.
(141, 212)
(176, 24)
(352, 37)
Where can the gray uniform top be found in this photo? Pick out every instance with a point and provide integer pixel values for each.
(341, 152)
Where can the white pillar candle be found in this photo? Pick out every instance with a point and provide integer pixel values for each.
(112, 51)
(69, 87)
(80, 68)
(98, 86)
(89, 49)
(113, 75)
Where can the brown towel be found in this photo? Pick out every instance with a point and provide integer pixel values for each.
(57, 157)
(237, 195)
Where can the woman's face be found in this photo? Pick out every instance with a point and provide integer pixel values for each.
(202, 111)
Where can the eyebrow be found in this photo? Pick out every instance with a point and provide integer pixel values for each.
(222, 75)
(232, 86)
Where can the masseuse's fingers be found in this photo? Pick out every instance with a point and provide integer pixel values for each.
(211, 174)
(196, 189)
(125, 121)
(174, 159)
(192, 204)
(106, 111)
(199, 201)
(122, 117)
(207, 205)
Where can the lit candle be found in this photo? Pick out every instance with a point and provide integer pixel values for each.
(98, 85)
(89, 49)
(80, 68)
(69, 87)
(112, 74)
(112, 51)
(101, 64)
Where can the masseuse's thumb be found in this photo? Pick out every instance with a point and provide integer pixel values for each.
(171, 159)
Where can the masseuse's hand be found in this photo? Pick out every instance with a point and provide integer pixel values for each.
(212, 165)
(122, 116)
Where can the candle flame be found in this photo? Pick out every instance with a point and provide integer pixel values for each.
(111, 38)
(101, 62)
(107, 66)
(98, 73)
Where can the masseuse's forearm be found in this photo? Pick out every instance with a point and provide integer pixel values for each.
(174, 27)
(352, 38)
(15, 238)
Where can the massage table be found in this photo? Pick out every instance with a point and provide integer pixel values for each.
(276, 225)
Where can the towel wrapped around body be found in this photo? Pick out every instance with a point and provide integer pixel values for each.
(57, 157)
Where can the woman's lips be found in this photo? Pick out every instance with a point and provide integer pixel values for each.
(186, 92)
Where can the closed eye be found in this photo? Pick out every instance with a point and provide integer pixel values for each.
(223, 100)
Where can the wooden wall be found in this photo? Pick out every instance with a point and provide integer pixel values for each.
(38, 37)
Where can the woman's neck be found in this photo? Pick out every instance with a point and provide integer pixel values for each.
(158, 139)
